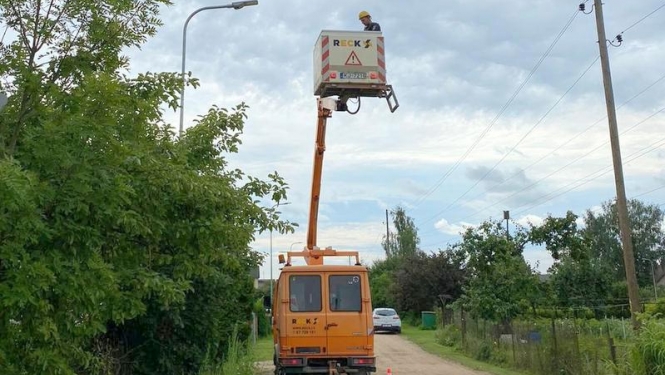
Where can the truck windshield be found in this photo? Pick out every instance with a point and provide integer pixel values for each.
(345, 293)
(305, 293)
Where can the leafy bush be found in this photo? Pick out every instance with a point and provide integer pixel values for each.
(449, 335)
(262, 319)
(656, 309)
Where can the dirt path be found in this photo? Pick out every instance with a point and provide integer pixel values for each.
(403, 358)
(406, 358)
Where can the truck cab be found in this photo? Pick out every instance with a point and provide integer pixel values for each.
(322, 321)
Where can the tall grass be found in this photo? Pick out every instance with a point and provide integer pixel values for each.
(239, 359)
(646, 353)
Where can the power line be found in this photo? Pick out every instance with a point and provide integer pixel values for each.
(567, 165)
(602, 171)
(649, 192)
(574, 137)
(512, 149)
(519, 142)
(503, 109)
(4, 34)
(643, 18)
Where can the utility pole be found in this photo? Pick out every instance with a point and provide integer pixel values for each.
(653, 276)
(622, 205)
(387, 236)
(506, 217)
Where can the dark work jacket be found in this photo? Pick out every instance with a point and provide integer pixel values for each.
(373, 27)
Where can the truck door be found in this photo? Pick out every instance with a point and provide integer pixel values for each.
(305, 315)
(347, 320)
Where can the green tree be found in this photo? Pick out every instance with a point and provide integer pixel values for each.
(501, 285)
(577, 278)
(561, 237)
(405, 240)
(422, 278)
(581, 283)
(602, 233)
(381, 279)
(122, 249)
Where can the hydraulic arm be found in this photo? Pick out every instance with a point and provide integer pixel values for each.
(312, 254)
(319, 149)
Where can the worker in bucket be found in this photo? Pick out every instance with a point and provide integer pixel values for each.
(366, 19)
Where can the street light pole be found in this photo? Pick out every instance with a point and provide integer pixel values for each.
(271, 260)
(276, 205)
(235, 5)
(3, 100)
(653, 275)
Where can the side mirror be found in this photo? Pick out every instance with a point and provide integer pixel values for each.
(267, 302)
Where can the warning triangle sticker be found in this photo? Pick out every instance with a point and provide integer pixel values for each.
(353, 59)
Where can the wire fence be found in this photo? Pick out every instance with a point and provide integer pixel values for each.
(541, 346)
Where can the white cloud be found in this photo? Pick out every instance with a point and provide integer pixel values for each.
(454, 229)
(538, 258)
(530, 219)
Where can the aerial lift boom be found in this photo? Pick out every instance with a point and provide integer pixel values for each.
(347, 65)
(311, 253)
(333, 69)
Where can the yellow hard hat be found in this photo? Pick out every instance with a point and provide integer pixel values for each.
(363, 14)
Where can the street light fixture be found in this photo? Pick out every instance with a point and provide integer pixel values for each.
(276, 205)
(291, 247)
(235, 5)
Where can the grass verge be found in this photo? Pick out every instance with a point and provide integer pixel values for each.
(427, 341)
(242, 358)
(263, 350)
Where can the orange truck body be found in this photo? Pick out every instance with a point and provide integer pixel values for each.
(322, 314)
(322, 320)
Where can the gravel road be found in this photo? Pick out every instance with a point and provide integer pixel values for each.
(406, 358)
(403, 358)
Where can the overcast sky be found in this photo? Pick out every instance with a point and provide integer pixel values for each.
(455, 68)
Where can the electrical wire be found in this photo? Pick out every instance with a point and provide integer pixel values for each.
(567, 165)
(649, 192)
(3, 34)
(512, 149)
(519, 142)
(601, 172)
(574, 137)
(503, 109)
(643, 18)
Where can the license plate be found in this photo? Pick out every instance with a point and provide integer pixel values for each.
(353, 75)
(387, 325)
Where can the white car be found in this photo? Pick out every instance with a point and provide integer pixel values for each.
(386, 319)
